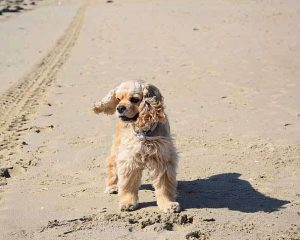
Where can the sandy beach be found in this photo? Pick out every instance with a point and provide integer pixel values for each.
(229, 72)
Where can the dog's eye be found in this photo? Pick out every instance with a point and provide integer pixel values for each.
(119, 99)
(134, 100)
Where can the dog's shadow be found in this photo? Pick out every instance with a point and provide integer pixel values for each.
(223, 191)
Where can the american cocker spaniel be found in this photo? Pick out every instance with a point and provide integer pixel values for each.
(142, 139)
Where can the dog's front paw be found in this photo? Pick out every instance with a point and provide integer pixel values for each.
(169, 207)
(111, 190)
(128, 206)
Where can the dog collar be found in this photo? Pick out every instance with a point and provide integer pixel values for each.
(146, 135)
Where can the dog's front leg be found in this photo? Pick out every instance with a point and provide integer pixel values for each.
(129, 182)
(165, 185)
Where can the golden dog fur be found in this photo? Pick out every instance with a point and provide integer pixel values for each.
(130, 154)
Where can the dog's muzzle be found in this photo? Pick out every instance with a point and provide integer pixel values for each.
(127, 119)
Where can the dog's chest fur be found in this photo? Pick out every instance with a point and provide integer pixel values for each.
(144, 153)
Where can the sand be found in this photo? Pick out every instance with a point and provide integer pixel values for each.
(229, 72)
(10, 8)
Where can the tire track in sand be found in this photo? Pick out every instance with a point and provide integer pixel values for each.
(19, 103)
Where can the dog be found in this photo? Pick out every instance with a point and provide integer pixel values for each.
(142, 139)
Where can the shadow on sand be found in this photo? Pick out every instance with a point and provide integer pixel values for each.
(226, 191)
(223, 191)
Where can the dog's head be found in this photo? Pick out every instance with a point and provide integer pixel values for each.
(136, 102)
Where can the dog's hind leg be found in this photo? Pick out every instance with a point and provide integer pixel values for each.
(112, 177)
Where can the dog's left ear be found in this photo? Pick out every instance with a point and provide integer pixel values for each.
(150, 91)
(153, 105)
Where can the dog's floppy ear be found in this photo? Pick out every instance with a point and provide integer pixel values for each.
(108, 104)
(152, 104)
(150, 92)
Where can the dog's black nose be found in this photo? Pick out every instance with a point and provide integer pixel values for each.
(121, 109)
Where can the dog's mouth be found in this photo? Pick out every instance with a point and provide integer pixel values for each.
(127, 119)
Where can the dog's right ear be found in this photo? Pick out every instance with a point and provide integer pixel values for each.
(108, 104)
